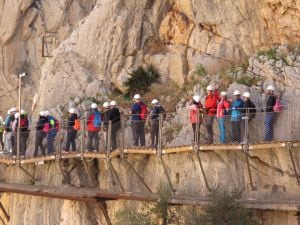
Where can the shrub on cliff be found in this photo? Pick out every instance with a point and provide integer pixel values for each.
(141, 80)
(222, 209)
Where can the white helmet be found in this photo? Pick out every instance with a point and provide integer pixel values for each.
(154, 102)
(17, 115)
(136, 96)
(236, 92)
(106, 105)
(23, 112)
(246, 95)
(42, 113)
(94, 106)
(209, 88)
(72, 110)
(47, 113)
(113, 103)
(13, 110)
(196, 98)
(223, 93)
(270, 88)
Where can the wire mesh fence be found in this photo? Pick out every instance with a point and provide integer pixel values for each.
(156, 132)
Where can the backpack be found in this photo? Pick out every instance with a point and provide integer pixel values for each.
(97, 120)
(277, 107)
(46, 127)
(144, 111)
(77, 124)
(57, 126)
(23, 123)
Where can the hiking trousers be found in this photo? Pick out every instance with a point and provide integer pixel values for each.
(8, 146)
(138, 130)
(194, 126)
(221, 124)
(1, 141)
(93, 136)
(114, 135)
(269, 123)
(154, 132)
(23, 142)
(40, 135)
(50, 140)
(209, 120)
(71, 140)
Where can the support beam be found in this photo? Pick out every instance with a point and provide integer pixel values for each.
(7, 217)
(103, 208)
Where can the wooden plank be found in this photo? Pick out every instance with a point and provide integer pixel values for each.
(94, 155)
(37, 159)
(114, 154)
(220, 147)
(267, 145)
(177, 150)
(296, 144)
(7, 161)
(139, 151)
(70, 155)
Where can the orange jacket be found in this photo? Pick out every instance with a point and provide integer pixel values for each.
(211, 103)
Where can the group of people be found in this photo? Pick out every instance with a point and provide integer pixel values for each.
(217, 105)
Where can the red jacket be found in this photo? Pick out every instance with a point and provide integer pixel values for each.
(194, 109)
(222, 106)
(211, 103)
(90, 125)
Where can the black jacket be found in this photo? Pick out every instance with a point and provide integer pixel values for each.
(71, 121)
(270, 103)
(41, 122)
(156, 111)
(114, 115)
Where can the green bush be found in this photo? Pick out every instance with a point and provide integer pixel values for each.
(200, 70)
(247, 80)
(271, 54)
(129, 217)
(222, 209)
(141, 80)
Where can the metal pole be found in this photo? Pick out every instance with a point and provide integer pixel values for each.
(196, 137)
(160, 124)
(246, 131)
(19, 120)
(82, 138)
(108, 146)
(122, 146)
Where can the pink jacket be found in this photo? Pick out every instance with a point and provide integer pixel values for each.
(222, 105)
(193, 113)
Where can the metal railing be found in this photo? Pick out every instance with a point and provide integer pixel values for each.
(168, 130)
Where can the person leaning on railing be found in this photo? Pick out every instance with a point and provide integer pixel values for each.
(195, 114)
(210, 106)
(40, 134)
(1, 134)
(156, 110)
(236, 117)
(222, 110)
(115, 118)
(270, 114)
(71, 132)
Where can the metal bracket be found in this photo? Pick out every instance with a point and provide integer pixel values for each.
(202, 169)
(27, 173)
(289, 146)
(114, 173)
(103, 208)
(245, 148)
(167, 175)
(6, 215)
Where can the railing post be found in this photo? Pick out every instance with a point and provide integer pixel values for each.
(18, 142)
(197, 132)
(60, 124)
(246, 127)
(122, 144)
(108, 145)
(159, 144)
(83, 137)
(290, 122)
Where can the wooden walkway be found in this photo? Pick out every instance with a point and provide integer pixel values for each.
(143, 151)
(96, 195)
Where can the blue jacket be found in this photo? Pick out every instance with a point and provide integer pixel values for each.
(236, 109)
(136, 110)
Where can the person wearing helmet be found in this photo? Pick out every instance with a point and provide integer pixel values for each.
(249, 107)
(14, 130)
(195, 114)
(24, 131)
(1, 134)
(40, 134)
(156, 110)
(139, 112)
(270, 114)
(93, 127)
(71, 132)
(105, 116)
(222, 110)
(210, 107)
(236, 117)
(115, 118)
(8, 128)
(52, 132)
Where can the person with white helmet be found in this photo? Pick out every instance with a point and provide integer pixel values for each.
(24, 132)
(270, 114)
(93, 127)
(236, 117)
(155, 112)
(210, 107)
(115, 118)
(40, 134)
(139, 113)
(1, 134)
(249, 108)
(9, 144)
(195, 115)
(71, 131)
(52, 131)
(222, 110)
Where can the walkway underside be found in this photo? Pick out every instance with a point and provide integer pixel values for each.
(145, 151)
(96, 195)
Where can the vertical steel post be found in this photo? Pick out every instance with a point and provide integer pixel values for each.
(122, 144)
(197, 132)
(58, 152)
(19, 121)
(246, 127)
(82, 138)
(159, 144)
(108, 145)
